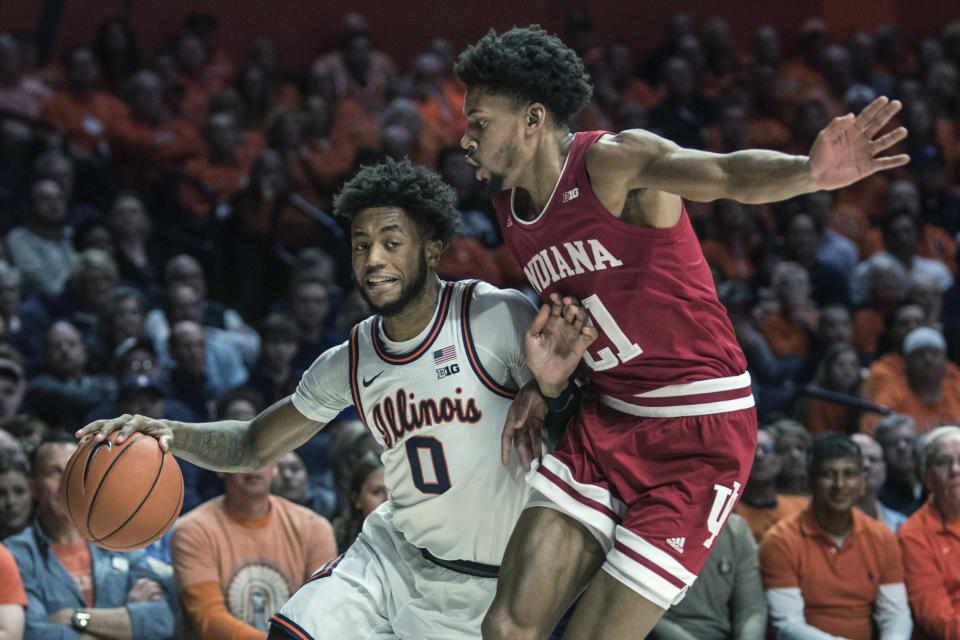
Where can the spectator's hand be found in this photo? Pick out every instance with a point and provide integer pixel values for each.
(162, 430)
(145, 590)
(64, 616)
(523, 426)
(845, 151)
(555, 342)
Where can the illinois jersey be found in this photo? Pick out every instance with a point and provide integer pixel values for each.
(437, 405)
(648, 291)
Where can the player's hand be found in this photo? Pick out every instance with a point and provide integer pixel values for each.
(126, 424)
(846, 151)
(555, 342)
(523, 426)
(145, 590)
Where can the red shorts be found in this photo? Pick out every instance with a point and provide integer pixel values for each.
(655, 491)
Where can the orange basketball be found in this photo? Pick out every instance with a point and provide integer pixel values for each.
(122, 496)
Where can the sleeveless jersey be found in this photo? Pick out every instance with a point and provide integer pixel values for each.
(439, 416)
(665, 341)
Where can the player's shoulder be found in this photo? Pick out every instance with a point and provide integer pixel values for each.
(486, 298)
(632, 144)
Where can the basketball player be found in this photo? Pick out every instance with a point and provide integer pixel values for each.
(432, 376)
(652, 464)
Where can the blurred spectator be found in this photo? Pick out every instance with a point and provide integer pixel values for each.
(835, 68)
(678, 25)
(239, 557)
(41, 248)
(424, 139)
(115, 46)
(803, 236)
(310, 307)
(833, 249)
(684, 113)
(928, 392)
(65, 391)
(197, 83)
(225, 165)
(766, 126)
(28, 430)
(902, 491)
(151, 132)
(839, 371)
(350, 119)
(889, 364)
(792, 441)
(925, 293)
(24, 319)
(809, 118)
(734, 236)
(121, 317)
(200, 370)
(13, 599)
(930, 539)
(834, 326)
(273, 376)
(217, 63)
(789, 330)
(81, 195)
(367, 491)
(884, 287)
(8, 443)
(801, 72)
(82, 110)
(12, 384)
(428, 90)
(832, 568)
(330, 153)
(18, 92)
(16, 496)
(875, 471)
(726, 601)
(939, 203)
(131, 230)
(293, 484)
(121, 594)
(760, 504)
(91, 280)
(360, 73)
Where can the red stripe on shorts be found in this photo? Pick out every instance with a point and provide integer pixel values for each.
(657, 569)
(699, 398)
(593, 504)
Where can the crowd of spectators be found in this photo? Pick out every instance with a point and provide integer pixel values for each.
(167, 251)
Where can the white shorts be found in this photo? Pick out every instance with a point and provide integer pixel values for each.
(383, 587)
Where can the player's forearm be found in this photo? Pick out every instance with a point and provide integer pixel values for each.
(757, 176)
(221, 446)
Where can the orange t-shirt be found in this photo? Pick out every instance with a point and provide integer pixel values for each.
(226, 180)
(257, 564)
(839, 585)
(11, 586)
(179, 140)
(823, 415)
(867, 328)
(897, 395)
(931, 552)
(86, 122)
(468, 258)
(760, 520)
(736, 264)
(934, 243)
(785, 338)
(75, 558)
(886, 367)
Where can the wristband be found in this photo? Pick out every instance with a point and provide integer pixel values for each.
(561, 403)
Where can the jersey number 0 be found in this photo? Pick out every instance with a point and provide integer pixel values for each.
(420, 448)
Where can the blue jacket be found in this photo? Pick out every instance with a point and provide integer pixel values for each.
(51, 588)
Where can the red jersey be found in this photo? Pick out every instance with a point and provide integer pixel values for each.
(665, 340)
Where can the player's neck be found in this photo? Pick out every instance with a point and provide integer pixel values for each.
(416, 315)
(545, 167)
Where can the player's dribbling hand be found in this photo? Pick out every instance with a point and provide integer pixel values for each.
(523, 426)
(127, 424)
(556, 341)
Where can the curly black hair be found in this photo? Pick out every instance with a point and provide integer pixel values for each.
(528, 64)
(397, 183)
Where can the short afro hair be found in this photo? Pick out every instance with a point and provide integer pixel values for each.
(528, 65)
(396, 183)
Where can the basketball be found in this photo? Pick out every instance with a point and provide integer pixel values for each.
(122, 496)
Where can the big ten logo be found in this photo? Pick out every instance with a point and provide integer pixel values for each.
(449, 370)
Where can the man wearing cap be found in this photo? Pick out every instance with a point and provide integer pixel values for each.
(928, 391)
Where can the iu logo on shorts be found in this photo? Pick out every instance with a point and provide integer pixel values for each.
(722, 506)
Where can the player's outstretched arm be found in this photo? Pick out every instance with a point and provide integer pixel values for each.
(226, 445)
(846, 151)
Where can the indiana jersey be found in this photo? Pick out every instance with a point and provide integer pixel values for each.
(438, 406)
(665, 341)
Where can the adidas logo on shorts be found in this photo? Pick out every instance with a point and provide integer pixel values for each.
(676, 543)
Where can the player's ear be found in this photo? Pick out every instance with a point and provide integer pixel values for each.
(432, 250)
(535, 115)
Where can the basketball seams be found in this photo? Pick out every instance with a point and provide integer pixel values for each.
(103, 478)
(146, 495)
(160, 532)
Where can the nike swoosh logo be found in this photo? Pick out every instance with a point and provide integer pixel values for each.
(369, 381)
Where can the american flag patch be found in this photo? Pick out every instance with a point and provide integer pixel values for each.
(444, 355)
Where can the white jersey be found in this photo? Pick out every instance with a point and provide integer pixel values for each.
(437, 404)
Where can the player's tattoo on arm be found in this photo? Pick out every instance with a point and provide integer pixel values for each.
(222, 446)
